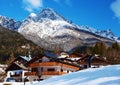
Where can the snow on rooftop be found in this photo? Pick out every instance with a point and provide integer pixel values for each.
(108, 75)
(26, 58)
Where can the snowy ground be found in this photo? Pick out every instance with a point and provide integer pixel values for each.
(109, 75)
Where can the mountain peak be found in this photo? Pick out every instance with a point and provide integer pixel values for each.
(32, 15)
(9, 23)
(49, 13)
(48, 9)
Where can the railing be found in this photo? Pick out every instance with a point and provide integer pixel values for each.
(53, 73)
(45, 73)
(30, 73)
(53, 64)
(44, 64)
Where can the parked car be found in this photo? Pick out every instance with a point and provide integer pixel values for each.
(10, 79)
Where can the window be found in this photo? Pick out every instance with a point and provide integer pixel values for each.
(51, 69)
(61, 70)
(34, 69)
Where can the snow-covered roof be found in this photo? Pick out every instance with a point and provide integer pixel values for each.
(74, 59)
(26, 58)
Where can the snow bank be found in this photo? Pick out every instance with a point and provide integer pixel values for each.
(109, 75)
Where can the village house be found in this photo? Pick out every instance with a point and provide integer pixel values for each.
(86, 61)
(45, 66)
(17, 68)
(93, 61)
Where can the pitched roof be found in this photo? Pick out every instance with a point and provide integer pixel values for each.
(96, 59)
(25, 58)
(53, 58)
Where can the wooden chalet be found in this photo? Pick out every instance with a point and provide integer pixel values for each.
(45, 66)
(92, 61)
(17, 68)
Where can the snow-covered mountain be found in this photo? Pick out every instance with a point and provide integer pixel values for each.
(9, 23)
(49, 30)
(104, 33)
(118, 39)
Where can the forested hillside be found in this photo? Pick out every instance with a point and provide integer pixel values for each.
(110, 53)
(11, 42)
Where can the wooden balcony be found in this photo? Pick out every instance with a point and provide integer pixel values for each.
(53, 73)
(45, 73)
(43, 64)
(30, 74)
(53, 64)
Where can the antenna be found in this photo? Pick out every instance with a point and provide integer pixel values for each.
(27, 46)
(29, 53)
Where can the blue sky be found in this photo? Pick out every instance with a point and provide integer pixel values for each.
(99, 14)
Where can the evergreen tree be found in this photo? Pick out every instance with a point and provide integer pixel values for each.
(11, 58)
(116, 46)
(100, 48)
(96, 49)
(113, 56)
(88, 50)
(57, 50)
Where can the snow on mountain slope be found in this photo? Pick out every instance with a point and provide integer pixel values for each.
(50, 14)
(108, 75)
(104, 33)
(118, 39)
(9, 23)
(48, 29)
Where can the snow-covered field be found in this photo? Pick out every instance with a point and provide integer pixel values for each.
(109, 75)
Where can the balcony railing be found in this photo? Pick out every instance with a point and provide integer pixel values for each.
(44, 64)
(53, 64)
(53, 73)
(45, 73)
(30, 73)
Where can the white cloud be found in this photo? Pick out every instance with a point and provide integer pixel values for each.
(31, 5)
(66, 2)
(115, 6)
